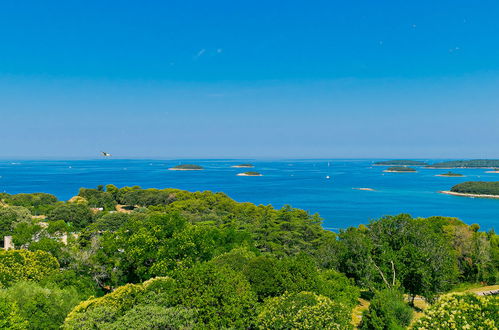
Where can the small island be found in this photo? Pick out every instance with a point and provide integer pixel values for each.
(250, 174)
(243, 166)
(401, 162)
(474, 163)
(480, 189)
(495, 170)
(450, 174)
(186, 167)
(364, 189)
(400, 169)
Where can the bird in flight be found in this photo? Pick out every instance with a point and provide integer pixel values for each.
(105, 154)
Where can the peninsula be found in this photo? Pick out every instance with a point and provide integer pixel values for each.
(474, 163)
(250, 174)
(401, 162)
(400, 169)
(186, 167)
(479, 189)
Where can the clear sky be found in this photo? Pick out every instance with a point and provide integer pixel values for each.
(242, 79)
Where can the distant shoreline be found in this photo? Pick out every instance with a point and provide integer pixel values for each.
(468, 195)
(244, 174)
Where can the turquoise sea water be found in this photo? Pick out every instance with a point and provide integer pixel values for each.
(300, 183)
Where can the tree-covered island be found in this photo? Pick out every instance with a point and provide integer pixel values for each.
(476, 189)
(200, 260)
(186, 167)
(251, 173)
(450, 174)
(400, 169)
(401, 162)
(243, 166)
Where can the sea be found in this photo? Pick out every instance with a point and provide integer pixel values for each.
(323, 186)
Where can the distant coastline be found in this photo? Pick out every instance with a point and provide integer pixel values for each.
(468, 195)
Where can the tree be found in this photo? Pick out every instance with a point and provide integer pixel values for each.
(10, 216)
(42, 307)
(222, 296)
(303, 310)
(78, 215)
(400, 250)
(19, 265)
(10, 317)
(36, 203)
(209, 295)
(155, 317)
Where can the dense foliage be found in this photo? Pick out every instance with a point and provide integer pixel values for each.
(475, 163)
(462, 311)
(303, 310)
(151, 258)
(387, 310)
(401, 162)
(477, 187)
(36, 203)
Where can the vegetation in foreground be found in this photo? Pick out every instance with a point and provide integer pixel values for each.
(477, 187)
(182, 260)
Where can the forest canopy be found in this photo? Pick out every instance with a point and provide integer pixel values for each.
(167, 258)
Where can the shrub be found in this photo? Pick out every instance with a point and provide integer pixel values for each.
(461, 311)
(387, 311)
(303, 310)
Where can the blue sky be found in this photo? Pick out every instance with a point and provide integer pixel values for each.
(225, 79)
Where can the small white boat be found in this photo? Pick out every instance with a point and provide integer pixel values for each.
(327, 177)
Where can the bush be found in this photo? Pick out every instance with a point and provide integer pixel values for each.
(387, 311)
(461, 311)
(304, 310)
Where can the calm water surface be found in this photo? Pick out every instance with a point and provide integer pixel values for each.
(300, 183)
